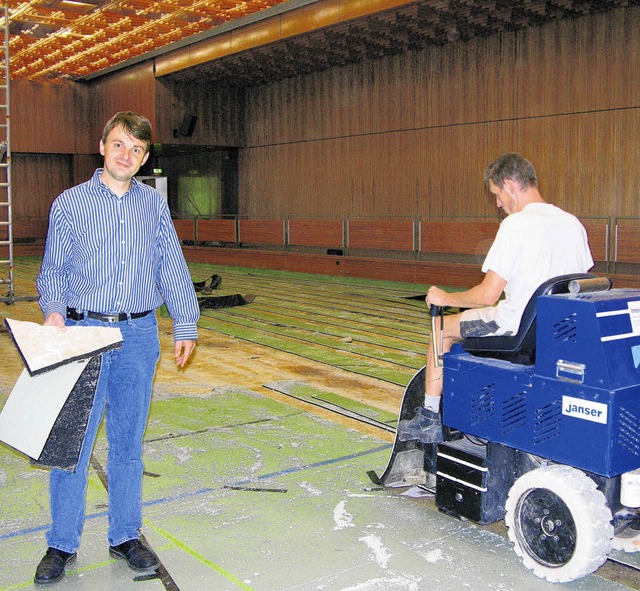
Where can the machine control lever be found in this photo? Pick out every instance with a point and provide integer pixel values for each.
(437, 312)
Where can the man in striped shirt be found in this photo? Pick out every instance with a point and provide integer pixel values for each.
(111, 258)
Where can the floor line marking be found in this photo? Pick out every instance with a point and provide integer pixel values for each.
(163, 574)
(208, 490)
(199, 557)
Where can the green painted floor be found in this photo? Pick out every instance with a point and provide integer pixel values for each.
(244, 491)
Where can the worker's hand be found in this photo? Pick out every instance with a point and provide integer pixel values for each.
(182, 351)
(436, 297)
(54, 319)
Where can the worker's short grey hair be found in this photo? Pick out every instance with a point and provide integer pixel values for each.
(514, 167)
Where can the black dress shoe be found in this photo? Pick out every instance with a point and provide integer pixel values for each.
(138, 557)
(51, 567)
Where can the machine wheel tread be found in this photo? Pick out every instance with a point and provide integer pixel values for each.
(592, 522)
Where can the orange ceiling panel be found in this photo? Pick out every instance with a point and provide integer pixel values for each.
(53, 40)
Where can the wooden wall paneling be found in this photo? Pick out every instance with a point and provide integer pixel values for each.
(381, 234)
(185, 229)
(37, 179)
(286, 180)
(358, 176)
(219, 112)
(84, 165)
(48, 118)
(216, 231)
(363, 98)
(26, 230)
(465, 82)
(627, 241)
(616, 184)
(316, 232)
(566, 66)
(255, 182)
(549, 110)
(261, 231)
(381, 174)
(619, 34)
(578, 65)
(131, 89)
(311, 111)
(419, 272)
(450, 168)
(470, 236)
(258, 115)
(546, 71)
(585, 161)
(394, 104)
(599, 232)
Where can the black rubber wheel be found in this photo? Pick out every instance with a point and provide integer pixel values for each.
(546, 527)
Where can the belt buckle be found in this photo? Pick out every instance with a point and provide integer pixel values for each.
(111, 318)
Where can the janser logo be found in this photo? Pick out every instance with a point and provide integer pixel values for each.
(584, 409)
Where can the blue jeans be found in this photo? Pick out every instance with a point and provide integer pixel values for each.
(124, 390)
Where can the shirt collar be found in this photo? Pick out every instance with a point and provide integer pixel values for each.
(97, 184)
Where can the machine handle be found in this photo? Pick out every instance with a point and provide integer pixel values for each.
(436, 311)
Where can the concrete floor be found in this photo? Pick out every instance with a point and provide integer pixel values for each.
(249, 490)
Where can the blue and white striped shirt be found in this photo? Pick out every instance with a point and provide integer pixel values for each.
(110, 255)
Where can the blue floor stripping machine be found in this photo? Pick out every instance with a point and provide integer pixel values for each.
(542, 429)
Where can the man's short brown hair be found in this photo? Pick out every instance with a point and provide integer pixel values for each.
(135, 125)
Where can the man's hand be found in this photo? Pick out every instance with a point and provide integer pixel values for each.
(54, 319)
(486, 293)
(436, 297)
(182, 351)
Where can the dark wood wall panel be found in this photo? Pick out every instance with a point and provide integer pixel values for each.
(471, 237)
(132, 89)
(185, 229)
(354, 175)
(570, 66)
(37, 179)
(412, 134)
(587, 163)
(262, 232)
(48, 118)
(216, 231)
(370, 97)
(599, 235)
(325, 233)
(627, 244)
(382, 234)
(218, 110)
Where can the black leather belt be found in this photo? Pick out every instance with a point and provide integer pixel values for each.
(78, 315)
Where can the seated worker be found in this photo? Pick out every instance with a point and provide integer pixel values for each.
(535, 242)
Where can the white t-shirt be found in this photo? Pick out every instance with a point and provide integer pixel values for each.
(531, 246)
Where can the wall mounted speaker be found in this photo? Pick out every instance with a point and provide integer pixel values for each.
(186, 127)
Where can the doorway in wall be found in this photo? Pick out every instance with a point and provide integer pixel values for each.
(202, 180)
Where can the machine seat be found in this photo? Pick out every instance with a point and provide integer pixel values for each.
(521, 347)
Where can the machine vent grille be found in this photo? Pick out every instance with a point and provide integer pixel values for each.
(483, 405)
(566, 329)
(514, 413)
(629, 431)
(548, 420)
